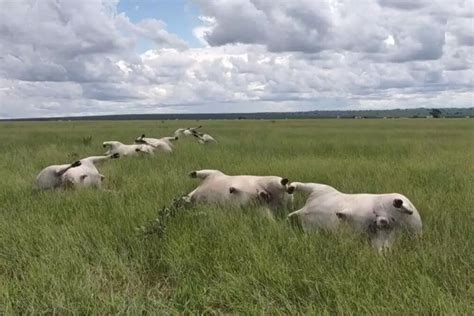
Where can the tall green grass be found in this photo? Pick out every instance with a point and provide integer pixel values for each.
(79, 252)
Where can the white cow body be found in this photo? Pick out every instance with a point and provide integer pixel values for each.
(163, 144)
(168, 140)
(204, 139)
(51, 176)
(186, 131)
(219, 188)
(115, 147)
(87, 174)
(372, 213)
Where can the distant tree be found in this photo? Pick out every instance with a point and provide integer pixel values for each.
(436, 113)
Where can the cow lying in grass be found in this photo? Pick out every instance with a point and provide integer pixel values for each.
(82, 173)
(163, 144)
(204, 138)
(51, 177)
(219, 188)
(186, 131)
(114, 147)
(87, 174)
(378, 215)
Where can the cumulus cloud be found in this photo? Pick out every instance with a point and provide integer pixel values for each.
(61, 57)
(417, 28)
(151, 29)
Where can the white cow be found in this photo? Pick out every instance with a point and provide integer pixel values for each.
(204, 138)
(87, 174)
(376, 214)
(219, 188)
(115, 147)
(163, 144)
(51, 176)
(186, 131)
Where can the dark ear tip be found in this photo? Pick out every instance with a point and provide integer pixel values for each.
(143, 135)
(232, 190)
(76, 163)
(290, 190)
(284, 181)
(104, 145)
(193, 174)
(115, 156)
(137, 149)
(397, 203)
(340, 215)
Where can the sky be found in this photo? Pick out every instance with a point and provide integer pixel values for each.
(95, 57)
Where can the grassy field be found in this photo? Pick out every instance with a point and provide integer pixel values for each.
(81, 253)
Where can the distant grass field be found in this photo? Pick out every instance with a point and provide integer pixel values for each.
(80, 252)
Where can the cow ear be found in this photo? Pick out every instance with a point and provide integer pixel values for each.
(284, 181)
(193, 174)
(397, 203)
(143, 136)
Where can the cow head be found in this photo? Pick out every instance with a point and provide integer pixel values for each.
(382, 222)
(273, 190)
(258, 196)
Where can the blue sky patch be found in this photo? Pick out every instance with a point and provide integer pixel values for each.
(180, 16)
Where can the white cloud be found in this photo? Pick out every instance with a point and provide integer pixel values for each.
(80, 57)
(208, 24)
